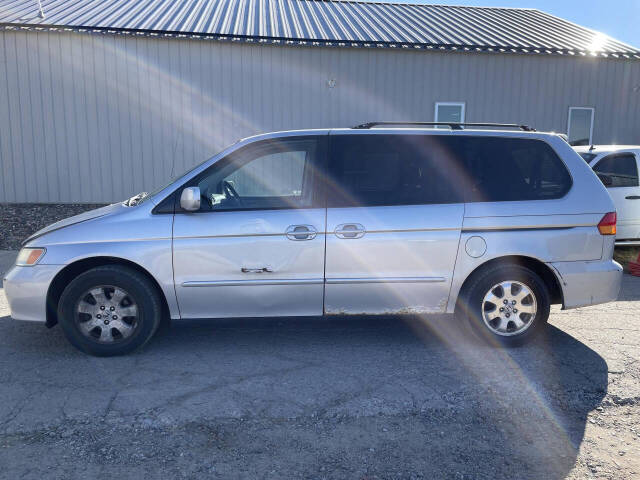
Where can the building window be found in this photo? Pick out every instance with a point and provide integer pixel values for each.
(580, 127)
(449, 112)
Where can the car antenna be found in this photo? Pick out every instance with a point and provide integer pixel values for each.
(592, 147)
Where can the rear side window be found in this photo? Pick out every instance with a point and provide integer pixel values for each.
(619, 170)
(377, 170)
(512, 169)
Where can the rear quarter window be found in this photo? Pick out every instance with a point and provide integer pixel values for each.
(620, 170)
(512, 169)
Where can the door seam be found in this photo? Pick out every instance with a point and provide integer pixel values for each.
(173, 267)
(455, 262)
(324, 269)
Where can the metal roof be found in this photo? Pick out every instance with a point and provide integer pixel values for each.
(323, 22)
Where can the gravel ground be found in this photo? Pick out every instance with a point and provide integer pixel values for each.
(352, 398)
(19, 220)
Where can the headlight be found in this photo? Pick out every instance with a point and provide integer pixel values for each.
(29, 256)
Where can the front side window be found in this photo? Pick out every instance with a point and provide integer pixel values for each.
(620, 170)
(378, 170)
(274, 174)
(580, 128)
(449, 112)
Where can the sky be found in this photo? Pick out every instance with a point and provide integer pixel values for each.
(619, 19)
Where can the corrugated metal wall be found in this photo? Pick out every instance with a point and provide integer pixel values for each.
(97, 118)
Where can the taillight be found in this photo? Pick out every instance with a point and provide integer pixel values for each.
(607, 225)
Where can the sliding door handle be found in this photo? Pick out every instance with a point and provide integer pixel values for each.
(633, 197)
(349, 230)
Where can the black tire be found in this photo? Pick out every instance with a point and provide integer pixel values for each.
(140, 291)
(471, 305)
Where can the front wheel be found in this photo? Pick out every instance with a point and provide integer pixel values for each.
(506, 305)
(109, 310)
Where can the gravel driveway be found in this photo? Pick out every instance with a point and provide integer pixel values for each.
(350, 398)
(20, 220)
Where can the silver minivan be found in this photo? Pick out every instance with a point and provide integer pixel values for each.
(495, 225)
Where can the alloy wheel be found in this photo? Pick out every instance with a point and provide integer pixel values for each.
(509, 308)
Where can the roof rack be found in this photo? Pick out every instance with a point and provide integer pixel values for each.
(452, 125)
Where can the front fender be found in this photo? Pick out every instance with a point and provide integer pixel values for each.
(152, 256)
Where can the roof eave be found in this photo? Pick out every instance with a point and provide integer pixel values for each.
(498, 49)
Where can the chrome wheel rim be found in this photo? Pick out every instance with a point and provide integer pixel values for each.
(509, 308)
(107, 314)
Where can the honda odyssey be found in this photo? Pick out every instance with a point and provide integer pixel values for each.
(492, 224)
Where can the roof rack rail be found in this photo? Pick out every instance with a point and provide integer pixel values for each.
(452, 125)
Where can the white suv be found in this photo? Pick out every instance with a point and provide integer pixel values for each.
(617, 166)
(494, 225)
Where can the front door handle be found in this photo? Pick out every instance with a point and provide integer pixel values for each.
(633, 197)
(301, 232)
(256, 270)
(350, 230)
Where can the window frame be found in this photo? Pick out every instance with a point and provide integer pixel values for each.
(615, 155)
(593, 116)
(463, 106)
(317, 185)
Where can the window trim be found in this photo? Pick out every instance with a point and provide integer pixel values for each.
(593, 116)
(463, 106)
(318, 199)
(615, 155)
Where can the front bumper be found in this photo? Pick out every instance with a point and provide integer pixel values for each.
(589, 283)
(26, 290)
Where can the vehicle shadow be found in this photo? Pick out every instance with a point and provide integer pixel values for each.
(359, 396)
(630, 290)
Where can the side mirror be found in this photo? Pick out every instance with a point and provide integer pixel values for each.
(606, 180)
(190, 199)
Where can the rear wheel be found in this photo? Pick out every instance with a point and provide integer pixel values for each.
(109, 310)
(505, 305)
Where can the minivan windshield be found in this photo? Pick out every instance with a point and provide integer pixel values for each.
(142, 197)
(587, 157)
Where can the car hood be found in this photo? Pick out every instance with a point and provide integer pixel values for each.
(83, 217)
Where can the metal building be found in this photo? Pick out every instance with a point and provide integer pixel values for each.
(103, 99)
